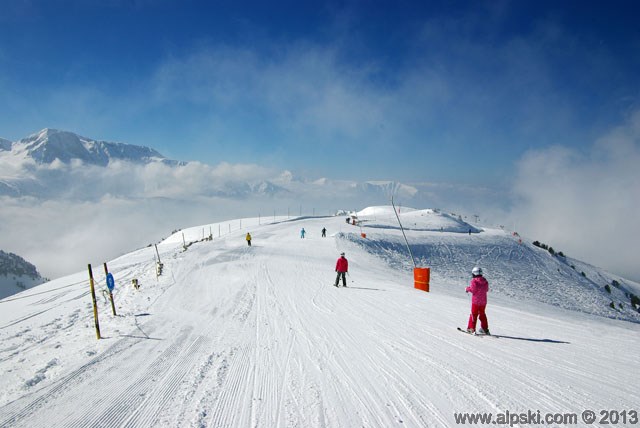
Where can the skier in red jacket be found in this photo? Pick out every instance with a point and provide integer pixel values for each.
(478, 288)
(342, 267)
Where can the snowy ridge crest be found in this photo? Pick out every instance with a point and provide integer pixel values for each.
(50, 145)
(384, 217)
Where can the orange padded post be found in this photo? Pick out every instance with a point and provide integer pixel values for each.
(421, 278)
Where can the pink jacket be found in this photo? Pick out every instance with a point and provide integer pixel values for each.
(342, 265)
(479, 288)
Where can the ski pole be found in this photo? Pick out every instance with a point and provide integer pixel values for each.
(350, 276)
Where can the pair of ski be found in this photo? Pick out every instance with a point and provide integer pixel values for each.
(337, 286)
(475, 334)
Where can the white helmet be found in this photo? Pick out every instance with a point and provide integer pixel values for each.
(476, 271)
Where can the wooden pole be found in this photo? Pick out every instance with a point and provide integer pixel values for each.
(95, 305)
(113, 306)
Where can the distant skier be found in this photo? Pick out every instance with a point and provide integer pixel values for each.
(248, 238)
(324, 232)
(342, 267)
(478, 288)
(302, 232)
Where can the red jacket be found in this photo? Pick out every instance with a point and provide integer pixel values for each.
(342, 265)
(479, 288)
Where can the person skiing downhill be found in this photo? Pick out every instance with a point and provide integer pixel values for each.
(248, 238)
(342, 267)
(324, 232)
(302, 232)
(478, 288)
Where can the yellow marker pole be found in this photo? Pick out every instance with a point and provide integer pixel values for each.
(95, 305)
(113, 306)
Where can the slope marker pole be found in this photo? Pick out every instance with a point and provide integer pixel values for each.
(106, 274)
(95, 305)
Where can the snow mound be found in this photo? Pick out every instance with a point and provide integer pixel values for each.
(383, 217)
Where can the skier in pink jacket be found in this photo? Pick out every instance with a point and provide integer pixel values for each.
(478, 288)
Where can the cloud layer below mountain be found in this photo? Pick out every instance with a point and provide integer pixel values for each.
(585, 202)
(77, 213)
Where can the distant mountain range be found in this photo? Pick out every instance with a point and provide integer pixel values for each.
(46, 164)
(50, 145)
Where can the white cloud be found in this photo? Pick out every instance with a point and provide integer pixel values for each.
(89, 214)
(585, 203)
(77, 181)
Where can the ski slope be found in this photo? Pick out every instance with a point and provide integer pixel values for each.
(235, 336)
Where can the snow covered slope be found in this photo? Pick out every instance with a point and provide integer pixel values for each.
(517, 268)
(231, 335)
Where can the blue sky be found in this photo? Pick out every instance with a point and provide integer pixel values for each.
(530, 107)
(415, 91)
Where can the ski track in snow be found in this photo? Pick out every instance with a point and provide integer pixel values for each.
(257, 336)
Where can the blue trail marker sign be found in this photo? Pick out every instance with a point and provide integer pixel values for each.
(111, 284)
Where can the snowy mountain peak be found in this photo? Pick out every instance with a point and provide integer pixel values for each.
(267, 188)
(286, 177)
(49, 144)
